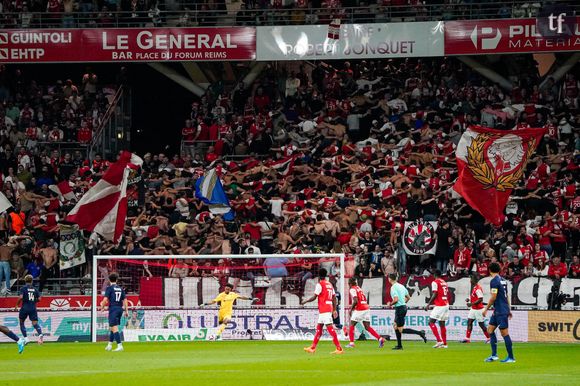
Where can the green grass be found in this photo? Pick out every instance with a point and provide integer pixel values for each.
(284, 363)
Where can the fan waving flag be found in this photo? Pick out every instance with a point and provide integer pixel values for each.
(490, 165)
(4, 203)
(63, 190)
(209, 189)
(103, 209)
(284, 166)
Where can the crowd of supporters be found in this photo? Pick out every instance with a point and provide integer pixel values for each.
(342, 156)
(154, 13)
(45, 130)
(333, 158)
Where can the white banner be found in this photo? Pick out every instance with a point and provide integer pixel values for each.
(167, 335)
(356, 41)
(419, 237)
(296, 324)
(243, 321)
(71, 246)
(382, 322)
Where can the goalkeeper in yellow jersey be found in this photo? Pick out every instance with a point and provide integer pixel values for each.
(226, 301)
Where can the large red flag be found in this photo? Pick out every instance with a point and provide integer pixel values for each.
(490, 164)
(103, 209)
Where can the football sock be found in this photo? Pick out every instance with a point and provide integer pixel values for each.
(37, 328)
(468, 334)
(118, 337)
(493, 342)
(332, 333)
(23, 329)
(508, 345)
(484, 329)
(12, 336)
(444, 334)
(435, 332)
(398, 333)
(373, 332)
(317, 335)
(111, 336)
(221, 328)
(411, 331)
(351, 333)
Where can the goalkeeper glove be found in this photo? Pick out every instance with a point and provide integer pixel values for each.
(254, 300)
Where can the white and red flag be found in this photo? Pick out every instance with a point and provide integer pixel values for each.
(490, 165)
(63, 190)
(284, 166)
(103, 209)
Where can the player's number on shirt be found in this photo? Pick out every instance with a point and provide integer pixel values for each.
(31, 296)
(504, 287)
(117, 296)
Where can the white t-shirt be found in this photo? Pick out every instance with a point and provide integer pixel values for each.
(266, 226)
(182, 207)
(277, 207)
(307, 126)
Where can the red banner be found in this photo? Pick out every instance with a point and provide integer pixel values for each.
(63, 302)
(128, 44)
(469, 37)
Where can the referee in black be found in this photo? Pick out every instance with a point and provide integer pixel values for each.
(400, 297)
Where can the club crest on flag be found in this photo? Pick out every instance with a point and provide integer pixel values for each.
(498, 161)
(490, 164)
(419, 237)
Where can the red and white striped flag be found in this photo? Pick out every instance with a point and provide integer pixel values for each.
(284, 166)
(63, 190)
(103, 209)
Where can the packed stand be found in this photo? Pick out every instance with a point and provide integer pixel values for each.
(372, 145)
(154, 13)
(45, 130)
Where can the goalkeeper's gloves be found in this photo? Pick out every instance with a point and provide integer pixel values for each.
(254, 300)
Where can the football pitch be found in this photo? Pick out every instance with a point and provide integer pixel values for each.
(285, 363)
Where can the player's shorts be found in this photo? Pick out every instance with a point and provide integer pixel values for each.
(501, 321)
(222, 317)
(400, 313)
(476, 314)
(28, 313)
(325, 318)
(115, 315)
(361, 316)
(440, 313)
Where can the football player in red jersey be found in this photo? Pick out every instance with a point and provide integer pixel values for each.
(475, 302)
(324, 291)
(360, 313)
(440, 311)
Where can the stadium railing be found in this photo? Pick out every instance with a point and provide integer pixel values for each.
(196, 15)
(105, 132)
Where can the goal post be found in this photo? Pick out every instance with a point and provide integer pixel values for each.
(166, 293)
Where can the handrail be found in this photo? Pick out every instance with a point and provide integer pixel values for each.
(106, 117)
(192, 14)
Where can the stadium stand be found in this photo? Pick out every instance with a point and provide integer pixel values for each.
(99, 14)
(320, 158)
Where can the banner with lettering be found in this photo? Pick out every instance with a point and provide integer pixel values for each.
(127, 44)
(350, 41)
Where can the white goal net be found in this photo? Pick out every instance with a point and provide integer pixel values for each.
(166, 294)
